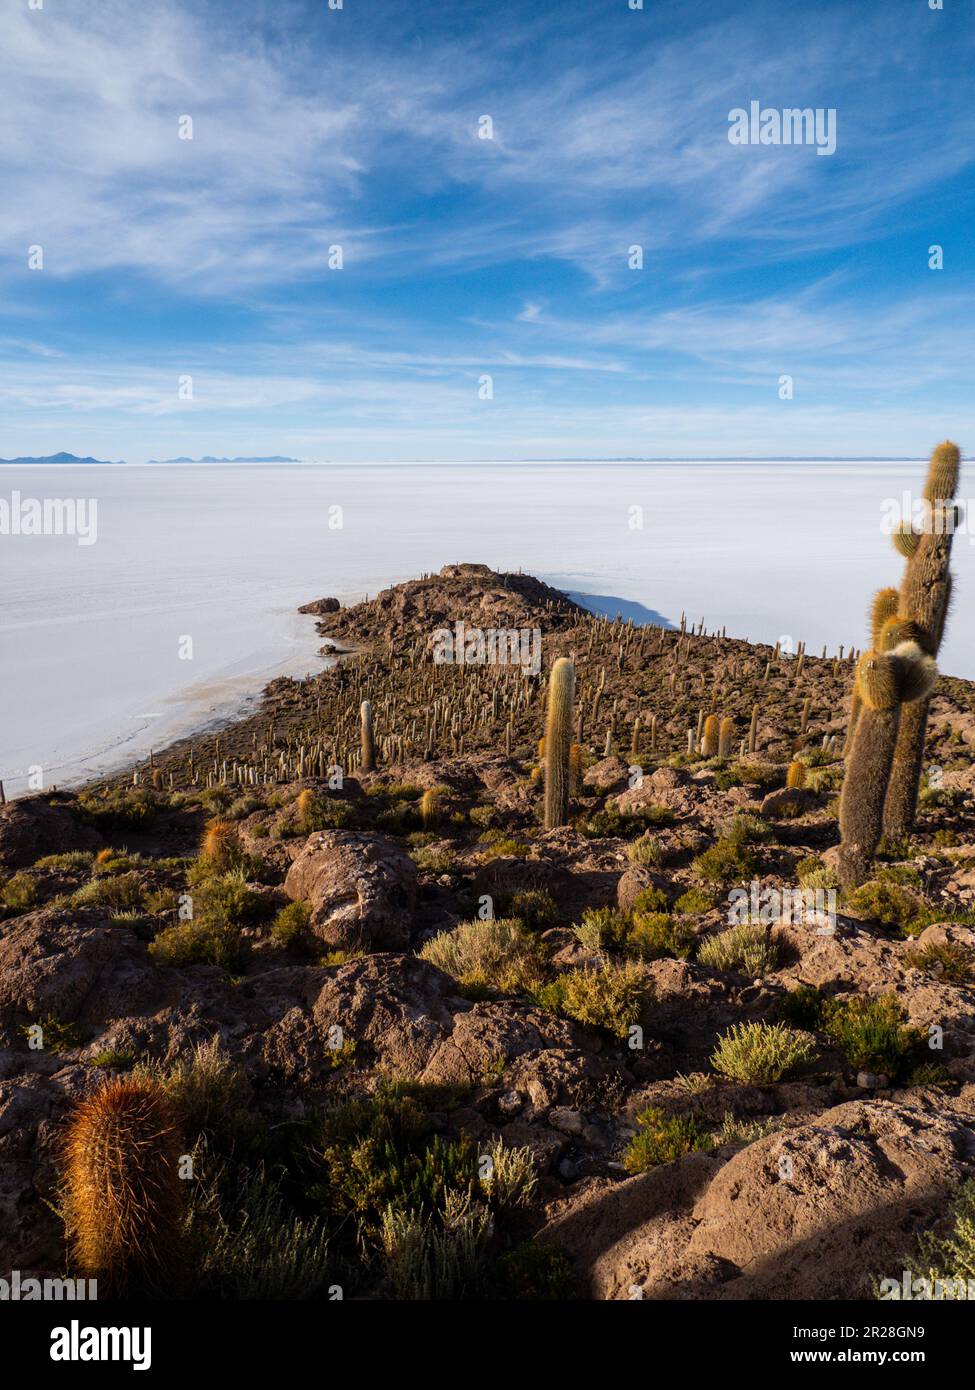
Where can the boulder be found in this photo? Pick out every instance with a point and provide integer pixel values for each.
(32, 828)
(361, 889)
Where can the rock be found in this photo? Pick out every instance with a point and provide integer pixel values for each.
(486, 1038)
(667, 778)
(633, 882)
(566, 1121)
(361, 888)
(319, 606)
(69, 964)
(510, 1102)
(32, 827)
(802, 1214)
(786, 797)
(872, 1081)
(607, 775)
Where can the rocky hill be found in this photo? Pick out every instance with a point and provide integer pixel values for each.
(646, 1053)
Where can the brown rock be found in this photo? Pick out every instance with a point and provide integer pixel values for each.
(32, 828)
(362, 889)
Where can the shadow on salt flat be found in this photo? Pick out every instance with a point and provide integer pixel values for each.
(609, 607)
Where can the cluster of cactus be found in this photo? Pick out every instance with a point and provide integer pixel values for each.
(123, 1196)
(558, 742)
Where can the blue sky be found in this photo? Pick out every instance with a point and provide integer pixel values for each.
(464, 257)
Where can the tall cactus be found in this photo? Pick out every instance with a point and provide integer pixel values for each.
(726, 737)
(558, 742)
(925, 596)
(123, 1201)
(367, 760)
(886, 683)
(711, 736)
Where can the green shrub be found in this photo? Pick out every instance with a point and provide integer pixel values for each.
(949, 960)
(695, 902)
(201, 943)
(122, 892)
(662, 1138)
(746, 947)
(803, 1006)
(436, 1256)
(290, 927)
(743, 829)
(20, 891)
(651, 900)
(535, 907)
(434, 859)
(530, 1273)
(653, 935)
(210, 1093)
(646, 850)
(602, 928)
(120, 809)
(890, 904)
(499, 954)
(871, 1033)
(72, 861)
(948, 1256)
(759, 1054)
(726, 862)
(615, 997)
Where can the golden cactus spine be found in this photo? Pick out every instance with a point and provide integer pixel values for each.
(558, 742)
(123, 1197)
(925, 597)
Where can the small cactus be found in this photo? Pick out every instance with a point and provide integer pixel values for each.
(558, 741)
(367, 758)
(430, 808)
(577, 768)
(123, 1199)
(711, 736)
(221, 847)
(726, 737)
(795, 778)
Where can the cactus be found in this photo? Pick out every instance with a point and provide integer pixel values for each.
(430, 808)
(711, 736)
(795, 778)
(577, 768)
(221, 846)
(887, 683)
(925, 597)
(558, 740)
(753, 730)
(367, 759)
(123, 1201)
(726, 737)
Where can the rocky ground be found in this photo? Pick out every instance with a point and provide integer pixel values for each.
(421, 1047)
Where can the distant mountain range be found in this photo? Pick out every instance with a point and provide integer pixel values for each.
(61, 458)
(271, 458)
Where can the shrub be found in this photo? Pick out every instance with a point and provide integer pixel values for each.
(746, 947)
(436, 1257)
(530, 1273)
(890, 904)
(497, 954)
(123, 892)
(511, 1179)
(120, 809)
(536, 908)
(248, 1244)
(871, 1033)
(725, 862)
(742, 829)
(290, 926)
(434, 859)
(209, 1092)
(656, 934)
(651, 900)
(646, 850)
(803, 1006)
(813, 873)
(948, 959)
(72, 861)
(602, 928)
(201, 942)
(662, 1138)
(695, 902)
(759, 1054)
(950, 1257)
(20, 891)
(614, 997)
